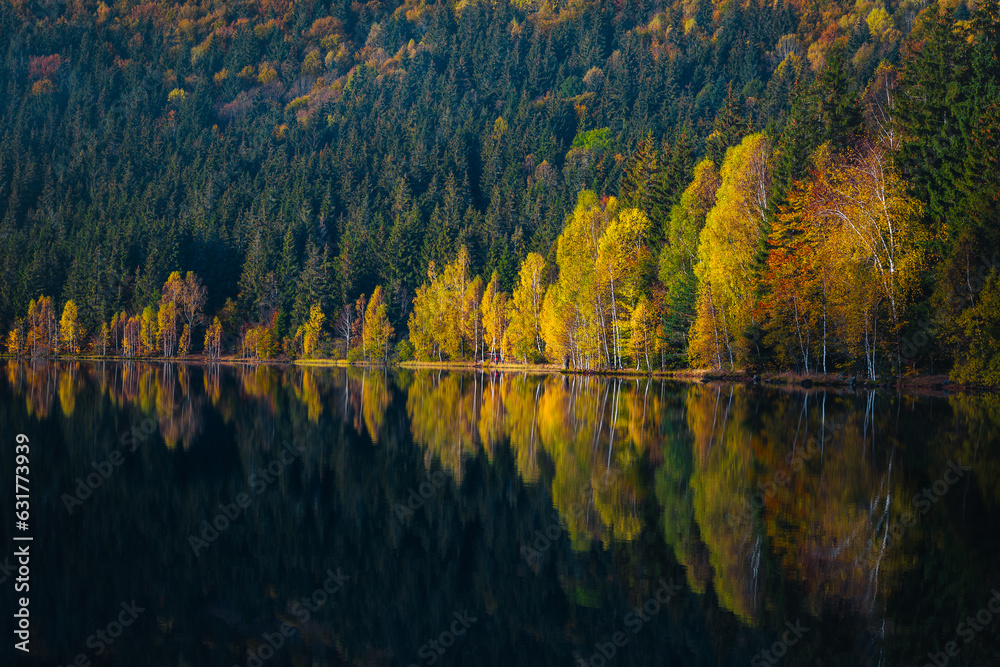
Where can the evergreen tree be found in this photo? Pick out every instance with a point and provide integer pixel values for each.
(839, 108)
(313, 285)
(731, 124)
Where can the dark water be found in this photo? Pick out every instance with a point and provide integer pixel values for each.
(463, 519)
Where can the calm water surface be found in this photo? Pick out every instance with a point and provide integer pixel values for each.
(285, 516)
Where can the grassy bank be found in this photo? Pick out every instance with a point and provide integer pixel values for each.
(322, 363)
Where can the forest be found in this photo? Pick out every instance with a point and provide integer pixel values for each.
(638, 185)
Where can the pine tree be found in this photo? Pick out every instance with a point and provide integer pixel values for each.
(313, 284)
(288, 273)
(251, 283)
(637, 186)
(839, 108)
(729, 127)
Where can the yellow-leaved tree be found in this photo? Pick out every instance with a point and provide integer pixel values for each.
(424, 318)
(148, 330)
(311, 329)
(378, 329)
(213, 339)
(645, 341)
(131, 337)
(523, 338)
(729, 257)
(573, 319)
(16, 339)
(42, 338)
(472, 320)
(69, 327)
(494, 311)
(877, 244)
(445, 316)
(451, 295)
(102, 338)
(680, 255)
(622, 256)
(166, 324)
(169, 312)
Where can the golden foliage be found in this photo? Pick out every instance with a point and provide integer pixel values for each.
(728, 256)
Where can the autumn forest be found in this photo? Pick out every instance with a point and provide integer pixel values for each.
(629, 186)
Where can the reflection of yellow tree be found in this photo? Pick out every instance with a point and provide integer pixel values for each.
(443, 417)
(178, 416)
(829, 530)
(570, 443)
(259, 382)
(166, 392)
(212, 381)
(629, 432)
(69, 386)
(145, 388)
(640, 417)
(584, 430)
(676, 497)
(521, 396)
(14, 373)
(375, 399)
(722, 472)
(594, 433)
(40, 384)
(160, 390)
(491, 414)
(826, 505)
(307, 393)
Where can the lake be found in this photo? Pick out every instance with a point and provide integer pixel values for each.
(251, 515)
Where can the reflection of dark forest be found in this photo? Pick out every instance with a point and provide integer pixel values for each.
(650, 480)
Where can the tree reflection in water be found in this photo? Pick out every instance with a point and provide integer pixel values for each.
(622, 481)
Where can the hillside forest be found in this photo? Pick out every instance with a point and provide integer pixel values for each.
(631, 185)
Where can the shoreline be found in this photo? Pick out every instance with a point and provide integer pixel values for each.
(938, 383)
